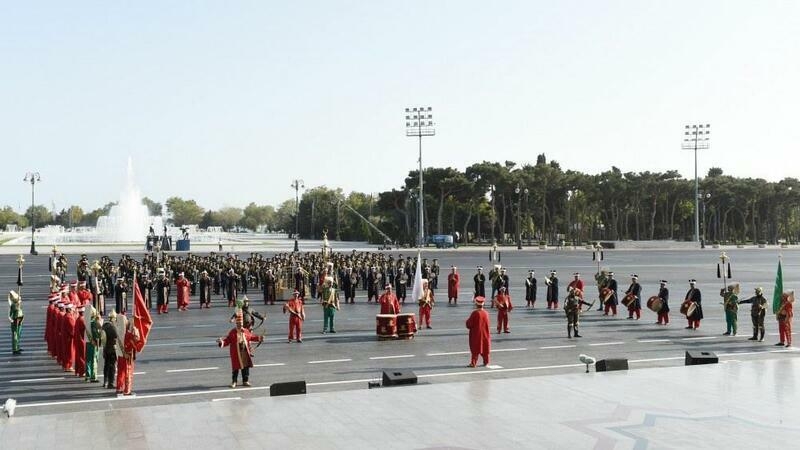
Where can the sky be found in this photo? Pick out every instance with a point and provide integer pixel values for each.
(228, 102)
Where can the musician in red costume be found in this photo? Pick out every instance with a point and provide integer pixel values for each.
(480, 338)
(503, 303)
(426, 302)
(784, 316)
(68, 339)
(388, 301)
(241, 353)
(79, 343)
(576, 282)
(297, 315)
(694, 295)
(84, 296)
(182, 285)
(453, 280)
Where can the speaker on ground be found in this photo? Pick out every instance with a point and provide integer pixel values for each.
(697, 357)
(607, 365)
(398, 377)
(287, 388)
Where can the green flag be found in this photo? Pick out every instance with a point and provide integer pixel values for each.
(776, 295)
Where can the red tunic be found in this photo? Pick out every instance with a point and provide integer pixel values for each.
(68, 336)
(452, 285)
(84, 297)
(79, 346)
(576, 284)
(240, 359)
(182, 285)
(48, 328)
(389, 304)
(480, 339)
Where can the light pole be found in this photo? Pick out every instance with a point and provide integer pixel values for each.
(704, 196)
(494, 213)
(297, 185)
(419, 123)
(33, 178)
(695, 137)
(526, 215)
(519, 191)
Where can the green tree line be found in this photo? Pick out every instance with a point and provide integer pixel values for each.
(503, 202)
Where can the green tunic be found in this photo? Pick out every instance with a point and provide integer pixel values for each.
(16, 316)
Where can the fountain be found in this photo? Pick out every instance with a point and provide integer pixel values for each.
(129, 220)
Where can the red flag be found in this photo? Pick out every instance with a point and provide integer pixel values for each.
(141, 317)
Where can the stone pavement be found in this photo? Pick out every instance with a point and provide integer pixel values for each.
(729, 405)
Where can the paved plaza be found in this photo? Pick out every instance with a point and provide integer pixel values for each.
(535, 382)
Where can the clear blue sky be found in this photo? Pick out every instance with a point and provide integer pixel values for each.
(227, 102)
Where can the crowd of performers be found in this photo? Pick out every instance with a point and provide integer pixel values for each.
(87, 318)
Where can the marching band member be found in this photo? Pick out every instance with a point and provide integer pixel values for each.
(182, 286)
(784, 316)
(730, 302)
(530, 290)
(426, 303)
(79, 341)
(504, 306)
(757, 312)
(611, 304)
(162, 292)
(480, 283)
(663, 294)
(401, 280)
(205, 290)
(453, 280)
(693, 295)
(576, 282)
(480, 339)
(635, 291)
(330, 304)
(93, 337)
(15, 316)
(297, 315)
(388, 301)
(110, 338)
(601, 278)
(241, 354)
(552, 290)
(572, 308)
(125, 382)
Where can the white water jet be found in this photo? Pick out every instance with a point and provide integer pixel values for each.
(129, 220)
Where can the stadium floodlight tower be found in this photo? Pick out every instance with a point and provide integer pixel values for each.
(419, 123)
(696, 137)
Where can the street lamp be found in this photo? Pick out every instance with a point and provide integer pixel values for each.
(33, 178)
(526, 215)
(419, 123)
(494, 213)
(695, 137)
(519, 191)
(704, 196)
(297, 185)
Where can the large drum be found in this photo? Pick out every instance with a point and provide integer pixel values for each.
(688, 308)
(628, 300)
(606, 296)
(386, 326)
(406, 325)
(655, 304)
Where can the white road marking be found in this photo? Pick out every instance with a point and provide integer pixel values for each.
(198, 369)
(516, 369)
(269, 365)
(700, 338)
(225, 399)
(556, 346)
(325, 361)
(671, 358)
(509, 350)
(447, 353)
(600, 344)
(33, 380)
(391, 357)
(208, 325)
(494, 366)
(326, 383)
(648, 341)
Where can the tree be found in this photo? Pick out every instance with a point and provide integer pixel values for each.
(90, 219)
(153, 208)
(284, 217)
(70, 217)
(184, 212)
(255, 216)
(9, 216)
(41, 214)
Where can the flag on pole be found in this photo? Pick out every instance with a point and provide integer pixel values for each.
(416, 292)
(776, 294)
(141, 316)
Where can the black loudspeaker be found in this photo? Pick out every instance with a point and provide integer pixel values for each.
(288, 388)
(694, 358)
(607, 365)
(398, 377)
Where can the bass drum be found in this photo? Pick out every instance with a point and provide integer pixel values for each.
(655, 303)
(606, 295)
